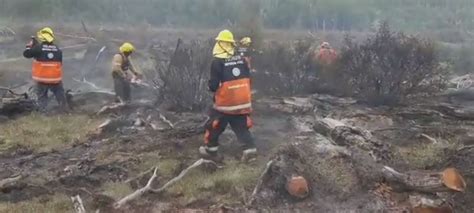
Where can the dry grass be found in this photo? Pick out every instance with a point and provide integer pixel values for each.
(337, 175)
(54, 204)
(426, 155)
(44, 133)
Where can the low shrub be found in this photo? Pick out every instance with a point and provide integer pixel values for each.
(390, 67)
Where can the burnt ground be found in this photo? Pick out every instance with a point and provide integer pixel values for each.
(122, 150)
(99, 166)
(118, 153)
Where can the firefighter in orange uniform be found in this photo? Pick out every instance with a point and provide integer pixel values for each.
(326, 55)
(245, 51)
(230, 82)
(47, 69)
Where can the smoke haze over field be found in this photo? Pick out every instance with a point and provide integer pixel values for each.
(308, 14)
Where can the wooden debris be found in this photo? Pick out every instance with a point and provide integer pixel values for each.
(93, 86)
(421, 209)
(352, 137)
(148, 187)
(453, 180)
(9, 106)
(297, 186)
(428, 182)
(429, 138)
(426, 203)
(108, 108)
(260, 182)
(137, 193)
(298, 104)
(75, 36)
(78, 204)
(140, 175)
(104, 124)
(164, 119)
(9, 181)
(183, 173)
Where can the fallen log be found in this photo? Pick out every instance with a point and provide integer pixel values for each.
(449, 180)
(464, 113)
(352, 162)
(352, 137)
(9, 106)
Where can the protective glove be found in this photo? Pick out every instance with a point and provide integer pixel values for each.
(32, 42)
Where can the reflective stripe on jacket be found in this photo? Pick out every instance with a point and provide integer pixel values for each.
(47, 72)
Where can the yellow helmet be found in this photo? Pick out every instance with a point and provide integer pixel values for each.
(226, 36)
(127, 48)
(325, 45)
(246, 41)
(45, 35)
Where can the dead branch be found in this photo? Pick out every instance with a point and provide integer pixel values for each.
(258, 187)
(148, 187)
(9, 181)
(74, 46)
(183, 173)
(101, 51)
(429, 138)
(74, 36)
(164, 119)
(11, 30)
(110, 107)
(139, 192)
(93, 86)
(84, 27)
(104, 124)
(465, 148)
(78, 204)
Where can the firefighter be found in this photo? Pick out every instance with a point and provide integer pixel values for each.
(245, 51)
(230, 83)
(47, 69)
(121, 65)
(326, 55)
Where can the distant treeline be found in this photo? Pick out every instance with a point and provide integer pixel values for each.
(307, 14)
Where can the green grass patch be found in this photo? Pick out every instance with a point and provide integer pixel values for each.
(223, 182)
(54, 204)
(44, 133)
(426, 155)
(116, 190)
(167, 167)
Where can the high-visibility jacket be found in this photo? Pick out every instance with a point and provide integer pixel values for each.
(326, 56)
(233, 96)
(47, 64)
